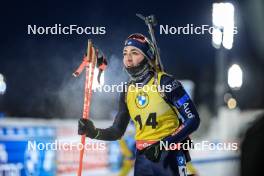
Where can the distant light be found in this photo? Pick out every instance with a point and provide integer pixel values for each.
(2, 85)
(223, 19)
(231, 103)
(217, 38)
(235, 76)
(229, 26)
(95, 81)
(218, 14)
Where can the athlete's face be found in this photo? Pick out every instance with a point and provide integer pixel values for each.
(132, 56)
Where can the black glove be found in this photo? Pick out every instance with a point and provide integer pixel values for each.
(86, 127)
(153, 152)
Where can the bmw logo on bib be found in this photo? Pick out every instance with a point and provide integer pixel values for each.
(142, 99)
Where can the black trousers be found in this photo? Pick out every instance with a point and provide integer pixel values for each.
(172, 163)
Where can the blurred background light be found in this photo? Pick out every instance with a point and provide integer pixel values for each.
(2, 85)
(235, 77)
(223, 22)
(217, 38)
(231, 103)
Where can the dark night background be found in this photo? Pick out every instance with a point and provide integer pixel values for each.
(38, 67)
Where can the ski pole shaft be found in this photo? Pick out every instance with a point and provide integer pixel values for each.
(89, 72)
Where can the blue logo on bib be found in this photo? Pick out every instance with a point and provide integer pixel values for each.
(142, 100)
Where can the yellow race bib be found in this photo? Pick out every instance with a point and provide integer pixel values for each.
(154, 119)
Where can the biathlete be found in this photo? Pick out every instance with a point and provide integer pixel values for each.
(162, 111)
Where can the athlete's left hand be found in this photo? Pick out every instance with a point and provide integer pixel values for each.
(153, 152)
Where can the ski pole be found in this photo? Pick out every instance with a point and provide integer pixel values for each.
(89, 65)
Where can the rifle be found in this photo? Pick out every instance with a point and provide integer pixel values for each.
(151, 21)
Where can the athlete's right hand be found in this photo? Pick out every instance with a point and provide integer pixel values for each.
(86, 127)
